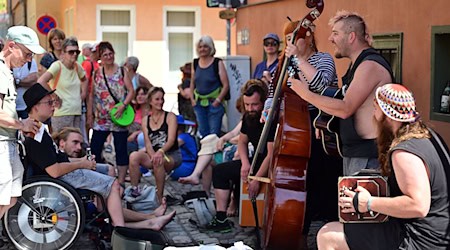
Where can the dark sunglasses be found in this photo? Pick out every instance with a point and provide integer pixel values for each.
(267, 44)
(72, 52)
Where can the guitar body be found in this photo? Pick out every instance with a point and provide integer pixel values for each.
(329, 125)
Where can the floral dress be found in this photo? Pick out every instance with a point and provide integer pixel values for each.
(103, 101)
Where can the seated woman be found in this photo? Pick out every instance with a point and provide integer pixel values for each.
(161, 152)
(141, 110)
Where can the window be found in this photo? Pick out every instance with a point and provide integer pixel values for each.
(181, 30)
(390, 47)
(440, 73)
(68, 24)
(116, 24)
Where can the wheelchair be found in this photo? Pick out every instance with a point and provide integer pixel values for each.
(49, 215)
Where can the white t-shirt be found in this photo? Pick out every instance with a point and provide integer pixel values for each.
(21, 73)
(8, 89)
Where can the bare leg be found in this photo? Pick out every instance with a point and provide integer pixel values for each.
(114, 205)
(4, 208)
(222, 199)
(203, 161)
(156, 223)
(136, 160)
(133, 216)
(122, 173)
(232, 209)
(160, 175)
(331, 236)
(207, 179)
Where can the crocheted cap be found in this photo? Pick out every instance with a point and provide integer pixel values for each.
(397, 102)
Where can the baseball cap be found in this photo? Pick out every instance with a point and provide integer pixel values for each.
(94, 47)
(34, 94)
(182, 121)
(26, 36)
(272, 36)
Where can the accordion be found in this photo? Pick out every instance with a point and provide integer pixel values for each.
(375, 184)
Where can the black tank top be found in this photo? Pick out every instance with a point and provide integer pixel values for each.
(159, 136)
(353, 144)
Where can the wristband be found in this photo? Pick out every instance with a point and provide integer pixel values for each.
(218, 100)
(164, 154)
(369, 203)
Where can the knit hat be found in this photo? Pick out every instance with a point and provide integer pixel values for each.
(25, 36)
(397, 102)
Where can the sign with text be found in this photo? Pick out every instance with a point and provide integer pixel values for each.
(223, 3)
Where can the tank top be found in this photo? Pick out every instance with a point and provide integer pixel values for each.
(159, 136)
(206, 80)
(430, 232)
(352, 144)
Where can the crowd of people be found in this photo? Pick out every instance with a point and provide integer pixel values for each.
(380, 128)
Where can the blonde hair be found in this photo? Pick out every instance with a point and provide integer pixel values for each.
(353, 22)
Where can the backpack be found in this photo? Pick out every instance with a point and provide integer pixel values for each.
(216, 71)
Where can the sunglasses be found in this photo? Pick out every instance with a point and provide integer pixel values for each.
(73, 52)
(49, 103)
(267, 44)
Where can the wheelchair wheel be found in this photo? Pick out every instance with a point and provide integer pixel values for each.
(49, 215)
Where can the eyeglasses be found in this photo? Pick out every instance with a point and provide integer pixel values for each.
(49, 103)
(267, 43)
(108, 54)
(26, 54)
(73, 52)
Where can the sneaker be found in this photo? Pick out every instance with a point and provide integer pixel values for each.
(219, 226)
(135, 192)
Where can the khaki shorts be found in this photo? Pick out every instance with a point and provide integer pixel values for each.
(11, 172)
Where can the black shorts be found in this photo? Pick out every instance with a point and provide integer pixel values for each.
(388, 235)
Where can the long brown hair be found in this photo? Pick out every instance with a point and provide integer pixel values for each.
(387, 140)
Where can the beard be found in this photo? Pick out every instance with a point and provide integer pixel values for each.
(252, 117)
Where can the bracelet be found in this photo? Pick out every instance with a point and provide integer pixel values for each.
(164, 154)
(218, 100)
(369, 203)
(162, 150)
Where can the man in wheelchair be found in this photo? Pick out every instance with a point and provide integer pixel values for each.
(45, 158)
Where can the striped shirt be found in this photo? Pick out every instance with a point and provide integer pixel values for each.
(325, 75)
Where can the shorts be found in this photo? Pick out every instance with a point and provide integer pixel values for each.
(387, 235)
(175, 155)
(60, 122)
(102, 168)
(90, 180)
(11, 172)
(355, 164)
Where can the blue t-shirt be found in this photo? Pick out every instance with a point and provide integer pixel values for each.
(189, 156)
(261, 67)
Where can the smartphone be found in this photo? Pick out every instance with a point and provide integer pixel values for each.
(89, 154)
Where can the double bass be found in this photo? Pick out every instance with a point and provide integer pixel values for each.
(286, 193)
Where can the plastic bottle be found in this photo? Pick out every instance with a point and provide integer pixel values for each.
(445, 99)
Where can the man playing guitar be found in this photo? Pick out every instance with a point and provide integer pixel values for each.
(368, 70)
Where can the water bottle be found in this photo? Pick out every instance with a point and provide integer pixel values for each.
(445, 99)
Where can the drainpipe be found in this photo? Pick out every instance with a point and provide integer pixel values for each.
(228, 6)
(25, 12)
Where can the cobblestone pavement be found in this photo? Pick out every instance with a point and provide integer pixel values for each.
(181, 232)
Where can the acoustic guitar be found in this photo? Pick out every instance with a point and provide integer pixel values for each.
(329, 125)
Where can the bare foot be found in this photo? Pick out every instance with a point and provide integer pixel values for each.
(161, 209)
(159, 222)
(191, 179)
(232, 210)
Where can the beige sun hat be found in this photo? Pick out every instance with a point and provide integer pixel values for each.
(208, 145)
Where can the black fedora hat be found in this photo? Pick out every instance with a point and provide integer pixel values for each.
(34, 94)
